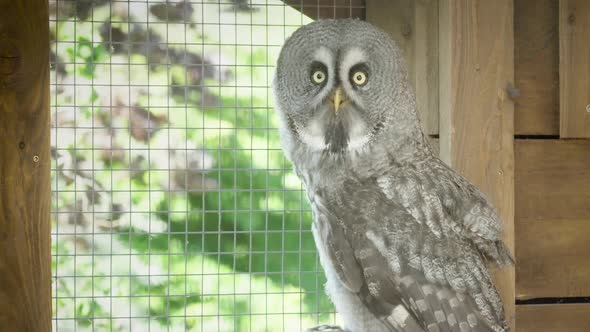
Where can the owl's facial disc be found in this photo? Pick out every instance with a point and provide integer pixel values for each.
(341, 86)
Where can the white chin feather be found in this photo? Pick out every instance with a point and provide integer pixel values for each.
(313, 136)
(357, 143)
(357, 133)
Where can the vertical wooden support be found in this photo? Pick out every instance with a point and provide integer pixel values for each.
(413, 24)
(574, 68)
(536, 67)
(477, 117)
(25, 250)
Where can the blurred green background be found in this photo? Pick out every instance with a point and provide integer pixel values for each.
(173, 206)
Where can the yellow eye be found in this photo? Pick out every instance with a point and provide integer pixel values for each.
(318, 77)
(359, 78)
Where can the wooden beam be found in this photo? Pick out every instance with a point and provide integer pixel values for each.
(25, 250)
(536, 68)
(574, 68)
(477, 125)
(318, 9)
(552, 218)
(414, 26)
(553, 318)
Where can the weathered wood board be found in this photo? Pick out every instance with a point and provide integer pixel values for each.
(553, 318)
(552, 218)
(574, 68)
(536, 68)
(476, 115)
(25, 228)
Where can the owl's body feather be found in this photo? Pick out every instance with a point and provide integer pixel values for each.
(404, 240)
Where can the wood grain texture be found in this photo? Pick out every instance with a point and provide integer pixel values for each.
(317, 9)
(553, 318)
(479, 119)
(414, 26)
(574, 68)
(552, 218)
(25, 250)
(536, 68)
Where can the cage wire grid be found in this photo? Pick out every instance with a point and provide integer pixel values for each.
(173, 207)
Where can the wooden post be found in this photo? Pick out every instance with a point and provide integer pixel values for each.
(25, 243)
(574, 68)
(476, 46)
(413, 24)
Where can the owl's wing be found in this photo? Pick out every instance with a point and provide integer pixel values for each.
(440, 198)
(400, 270)
(453, 233)
(443, 280)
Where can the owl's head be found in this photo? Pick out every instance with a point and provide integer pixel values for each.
(340, 84)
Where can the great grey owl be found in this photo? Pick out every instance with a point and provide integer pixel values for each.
(403, 239)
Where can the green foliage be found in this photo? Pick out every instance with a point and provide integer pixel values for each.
(174, 205)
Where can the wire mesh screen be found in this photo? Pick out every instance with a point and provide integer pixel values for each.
(173, 207)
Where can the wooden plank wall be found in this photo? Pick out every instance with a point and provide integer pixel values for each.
(552, 217)
(476, 116)
(25, 250)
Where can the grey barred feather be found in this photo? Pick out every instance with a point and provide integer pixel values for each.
(404, 240)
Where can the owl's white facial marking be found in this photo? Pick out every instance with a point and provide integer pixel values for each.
(313, 135)
(357, 133)
(352, 57)
(324, 56)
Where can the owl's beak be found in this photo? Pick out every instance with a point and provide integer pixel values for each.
(338, 98)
